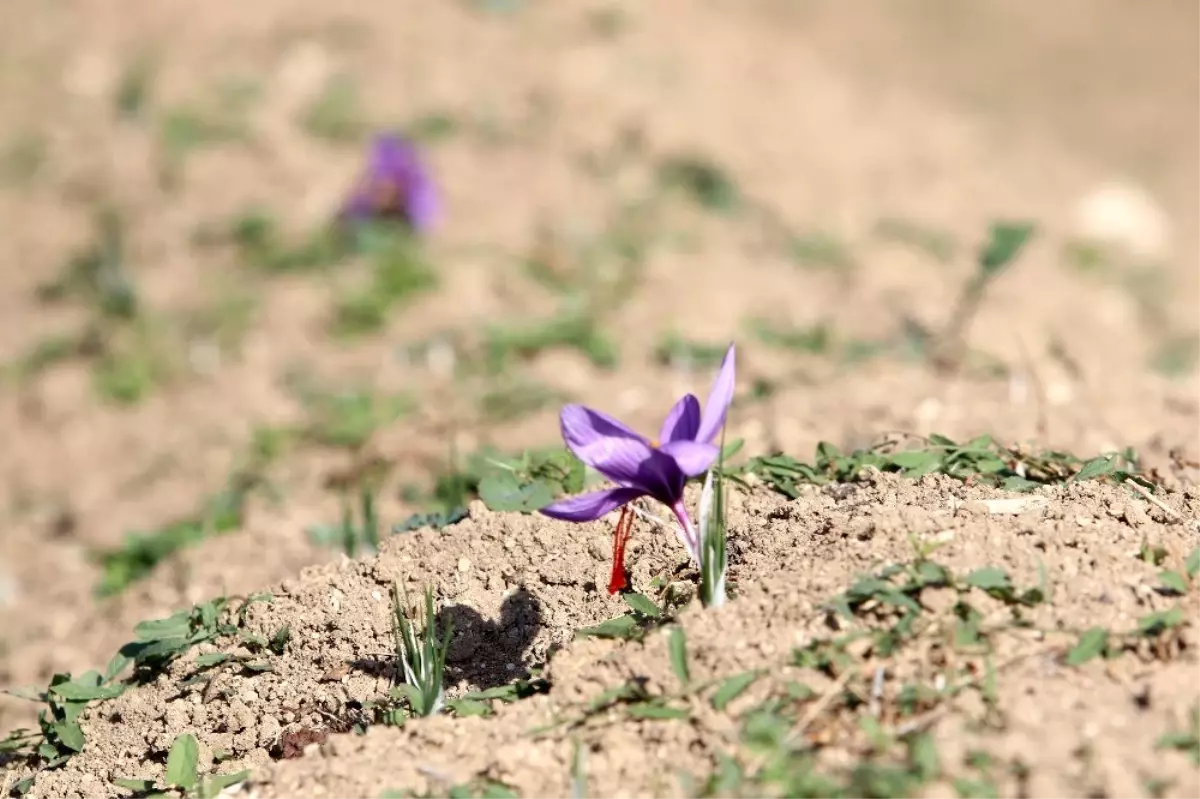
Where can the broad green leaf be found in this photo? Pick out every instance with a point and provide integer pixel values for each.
(211, 659)
(76, 692)
(503, 492)
(643, 605)
(175, 626)
(1096, 467)
(468, 707)
(916, 459)
(1192, 564)
(116, 665)
(1005, 240)
(182, 762)
(137, 786)
(1091, 644)
(621, 627)
(220, 782)
(1173, 581)
(1157, 622)
(989, 578)
(70, 734)
(732, 688)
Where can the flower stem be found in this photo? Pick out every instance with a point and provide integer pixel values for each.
(686, 531)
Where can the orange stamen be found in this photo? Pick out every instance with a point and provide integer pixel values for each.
(617, 581)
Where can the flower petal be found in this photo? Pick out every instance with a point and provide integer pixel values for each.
(692, 457)
(719, 398)
(588, 507)
(682, 422)
(603, 443)
(660, 476)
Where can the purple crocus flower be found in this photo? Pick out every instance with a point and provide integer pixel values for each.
(659, 469)
(395, 184)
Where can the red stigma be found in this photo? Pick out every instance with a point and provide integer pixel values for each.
(620, 537)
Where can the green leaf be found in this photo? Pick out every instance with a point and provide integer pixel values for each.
(211, 659)
(643, 605)
(1091, 644)
(989, 578)
(1192, 564)
(182, 762)
(503, 492)
(137, 786)
(1005, 240)
(621, 627)
(1173, 581)
(677, 643)
(69, 734)
(1155, 623)
(468, 707)
(1096, 467)
(646, 710)
(916, 459)
(732, 688)
(175, 626)
(219, 782)
(76, 692)
(116, 665)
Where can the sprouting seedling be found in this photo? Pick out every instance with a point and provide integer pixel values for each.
(183, 774)
(644, 468)
(396, 184)
(352, 535)
(423, 656)
(1005, 241)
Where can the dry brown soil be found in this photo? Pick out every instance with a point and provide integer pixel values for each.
(837, 120)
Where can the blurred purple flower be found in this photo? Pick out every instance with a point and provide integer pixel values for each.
(395, 184)
(640, 467)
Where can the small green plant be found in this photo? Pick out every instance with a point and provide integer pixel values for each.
(353, 537)
(399, 272)
(572, 328)
(183, 776)
(422, 656)
(60, 736)
(1005, 241)
(1186, 740)
(702, 181)
(98, 274)
(347, 419)
(982, 460)
(141, 553)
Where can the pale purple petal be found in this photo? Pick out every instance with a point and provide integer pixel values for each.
(603, 443)
(682, 422)
(719, 398)
(588, 507)
(692, 457)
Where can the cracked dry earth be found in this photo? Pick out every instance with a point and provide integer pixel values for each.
(518, 587)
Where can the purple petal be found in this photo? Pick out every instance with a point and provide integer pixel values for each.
(588, 507)
(603, 443)
(692, 457)
(682, 422)
(660, 476)
(719, 398)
